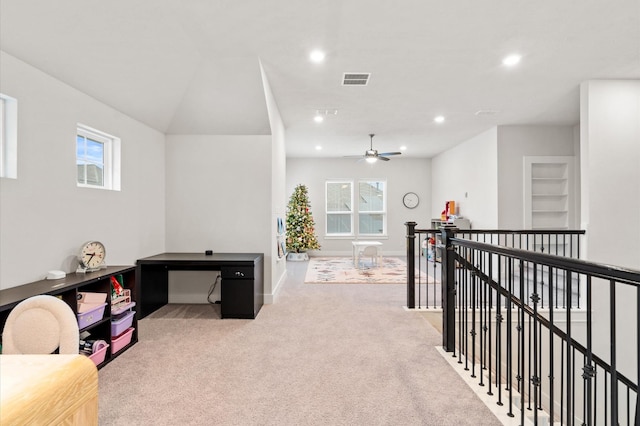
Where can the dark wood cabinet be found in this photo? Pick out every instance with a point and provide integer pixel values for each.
(68, 289)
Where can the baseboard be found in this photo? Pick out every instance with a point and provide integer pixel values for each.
(270, 298)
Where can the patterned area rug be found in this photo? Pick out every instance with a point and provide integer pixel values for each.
(340, 270)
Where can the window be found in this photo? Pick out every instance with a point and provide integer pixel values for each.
(8, 137)
(97, 159)
(371, 208)
(372, 217)
(339, 202)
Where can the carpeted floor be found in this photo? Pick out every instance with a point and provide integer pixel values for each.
(320, 355)
(340, 270)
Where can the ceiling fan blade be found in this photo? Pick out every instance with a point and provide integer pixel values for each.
(390, 153)
(383, 158)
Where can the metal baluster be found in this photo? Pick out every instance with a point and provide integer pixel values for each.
(551, 336)
(499, 333)
(613, 361)
(509, 339)
(569, 352)
(589, 370)
(521, 345)
(488, 321)
(535, 379)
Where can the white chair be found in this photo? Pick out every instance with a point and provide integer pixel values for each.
(40, 325)
(372, 253)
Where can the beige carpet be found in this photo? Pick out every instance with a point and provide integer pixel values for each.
(340, 270)
(321, 355)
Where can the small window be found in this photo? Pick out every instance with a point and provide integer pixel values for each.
(339, 202)
(372, 208)
(97, 159)
(8, 137)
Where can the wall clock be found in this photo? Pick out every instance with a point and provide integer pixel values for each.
(91, 257)
(410, 200)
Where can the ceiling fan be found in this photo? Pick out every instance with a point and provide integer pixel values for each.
(372, 155)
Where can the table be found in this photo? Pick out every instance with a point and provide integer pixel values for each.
(48, 389)
(242, 284)
(356, 249)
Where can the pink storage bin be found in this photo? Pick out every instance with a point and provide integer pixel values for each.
(92, 316)
(119, 342)
(92, 298)
(120, 324)
(98, 356)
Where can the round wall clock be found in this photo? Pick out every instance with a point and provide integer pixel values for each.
(91, 256)
(410, 200)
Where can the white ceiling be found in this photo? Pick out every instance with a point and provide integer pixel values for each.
(193, 67)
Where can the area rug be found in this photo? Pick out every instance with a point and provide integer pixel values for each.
(340, 270)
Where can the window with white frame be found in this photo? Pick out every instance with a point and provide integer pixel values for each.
(97, 159)
(8, 137)
(372, 207)
(339, 208)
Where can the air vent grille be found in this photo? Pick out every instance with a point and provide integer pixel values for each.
(355, 79)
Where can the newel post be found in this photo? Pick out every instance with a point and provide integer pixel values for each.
(411, 264)
(448, 289)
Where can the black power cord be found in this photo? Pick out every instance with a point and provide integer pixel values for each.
(211, 289)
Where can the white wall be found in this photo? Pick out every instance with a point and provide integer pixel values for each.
(514, 143)
(402, 175)
(44, 216)
(218, 197)
(610, 157)
(278, 194)
(468, 174)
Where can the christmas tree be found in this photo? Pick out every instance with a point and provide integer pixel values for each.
(300, 226)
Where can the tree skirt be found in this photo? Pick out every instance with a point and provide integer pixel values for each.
(340, 270)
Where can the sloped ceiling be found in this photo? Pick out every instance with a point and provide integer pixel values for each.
(192, 67)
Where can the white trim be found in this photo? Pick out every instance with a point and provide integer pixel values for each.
(8, 137)
(111, 161)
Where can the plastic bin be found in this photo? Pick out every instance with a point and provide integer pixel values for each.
(92, 316)
(119, 342)
(98, 356)
(120, 323)
(88, 301)
(122, 308)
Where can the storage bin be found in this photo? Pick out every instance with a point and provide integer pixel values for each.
(119, 342)
(91, 298)
(92, 316)
(98, 356)
(120, 323)
(123, 308)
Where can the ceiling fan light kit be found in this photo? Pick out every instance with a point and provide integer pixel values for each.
(372, 155)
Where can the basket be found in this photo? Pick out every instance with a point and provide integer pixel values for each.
(120, 323)
(85, 319)
(119, 342)
(98, 356)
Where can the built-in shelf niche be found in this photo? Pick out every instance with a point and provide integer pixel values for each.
(548, 192)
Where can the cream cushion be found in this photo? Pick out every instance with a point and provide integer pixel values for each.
(40, 325)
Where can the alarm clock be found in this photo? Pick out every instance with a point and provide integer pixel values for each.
(91, 256)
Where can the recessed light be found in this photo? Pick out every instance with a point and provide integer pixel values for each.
(317, 56)
(318, 148)
(439, 119)
(403, 148)
(318, 119)
(511, 60)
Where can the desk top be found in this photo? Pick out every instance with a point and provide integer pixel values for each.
(195, 258)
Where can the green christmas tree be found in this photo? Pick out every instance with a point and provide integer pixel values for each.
(300, 225)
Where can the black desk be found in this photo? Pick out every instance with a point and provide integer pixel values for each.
(242, 284)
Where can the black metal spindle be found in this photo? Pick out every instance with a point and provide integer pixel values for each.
(613, 352)
(589, 371)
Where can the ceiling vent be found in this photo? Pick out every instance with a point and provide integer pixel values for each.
(355, 79)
